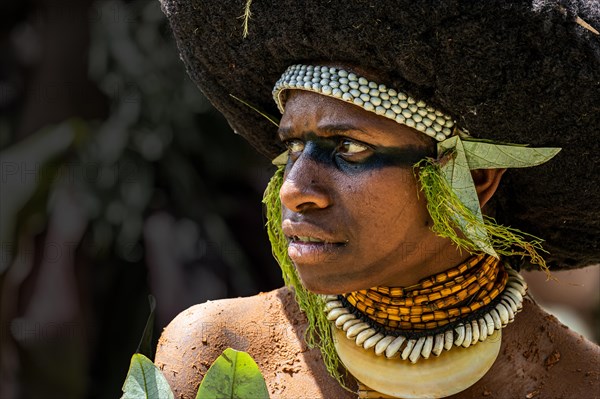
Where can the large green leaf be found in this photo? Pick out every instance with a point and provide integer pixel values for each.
(145, 381)
(234, 375)
(458, 175)
(483, 155)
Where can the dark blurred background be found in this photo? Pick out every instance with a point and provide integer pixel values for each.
(119, 180)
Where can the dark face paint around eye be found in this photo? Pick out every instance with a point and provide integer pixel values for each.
(324, 150)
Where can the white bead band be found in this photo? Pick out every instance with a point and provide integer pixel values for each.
(373, 97)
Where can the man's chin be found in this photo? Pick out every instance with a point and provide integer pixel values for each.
(326, 285)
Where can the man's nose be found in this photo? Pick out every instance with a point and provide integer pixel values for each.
(305, 186)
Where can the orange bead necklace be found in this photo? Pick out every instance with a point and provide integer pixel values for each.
(436, 301)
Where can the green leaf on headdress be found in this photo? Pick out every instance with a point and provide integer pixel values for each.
(234, 375)
(281, 159)
(458, 157)
(457, 173)
(484, 155)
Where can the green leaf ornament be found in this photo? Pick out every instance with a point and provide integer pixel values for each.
(145, 381)
(482, 155)
(461, 156)
(234, 375)
(458, 175)
(281, 159)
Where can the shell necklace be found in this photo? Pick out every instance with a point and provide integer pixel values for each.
(381, 333)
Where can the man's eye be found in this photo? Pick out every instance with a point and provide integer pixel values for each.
(294, 146)
(349, 147)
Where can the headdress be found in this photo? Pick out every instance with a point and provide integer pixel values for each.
(515, 72)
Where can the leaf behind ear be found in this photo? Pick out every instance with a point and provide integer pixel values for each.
(234, 375)
(458, 176)
(494, 156)
(145, 381)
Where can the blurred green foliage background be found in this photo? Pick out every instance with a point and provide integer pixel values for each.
(118, 180)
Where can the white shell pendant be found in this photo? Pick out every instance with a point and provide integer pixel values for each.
(349, 324)
(427, 347)
(416, 352)
(448, 340)
(451, 372)
(372, 341)
(460, 335)
(394, 347)
(341, 320)
(335, 313)
(468, 336)
(356, 329)
(408, 349)
(438, 346)
(364, 335)
(383, 345)
(474, 331)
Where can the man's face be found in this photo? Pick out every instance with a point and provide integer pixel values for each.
(351, 206)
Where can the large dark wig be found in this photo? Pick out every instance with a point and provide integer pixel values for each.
(523, 71)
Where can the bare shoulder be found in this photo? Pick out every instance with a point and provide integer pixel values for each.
(199, 334)
(540, 357)
(568, 365)
(269, 326)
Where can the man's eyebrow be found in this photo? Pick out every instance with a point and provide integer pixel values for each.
(339, 129)
(329, 129)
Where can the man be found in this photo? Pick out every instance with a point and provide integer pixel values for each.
(400, 265)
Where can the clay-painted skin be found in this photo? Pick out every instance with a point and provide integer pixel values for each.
(350, 185)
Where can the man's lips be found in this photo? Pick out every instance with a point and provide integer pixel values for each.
(309, 244)
(303, 232)
(306, 239)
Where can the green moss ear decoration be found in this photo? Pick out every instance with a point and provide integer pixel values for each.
(453, 203)
(233, 375)
(318, 333)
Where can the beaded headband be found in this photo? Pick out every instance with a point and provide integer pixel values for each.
(371, 96)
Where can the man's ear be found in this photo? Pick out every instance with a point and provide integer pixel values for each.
(486, 182)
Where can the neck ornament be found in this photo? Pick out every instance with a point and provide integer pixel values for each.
(435, 301)
(389, 329)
